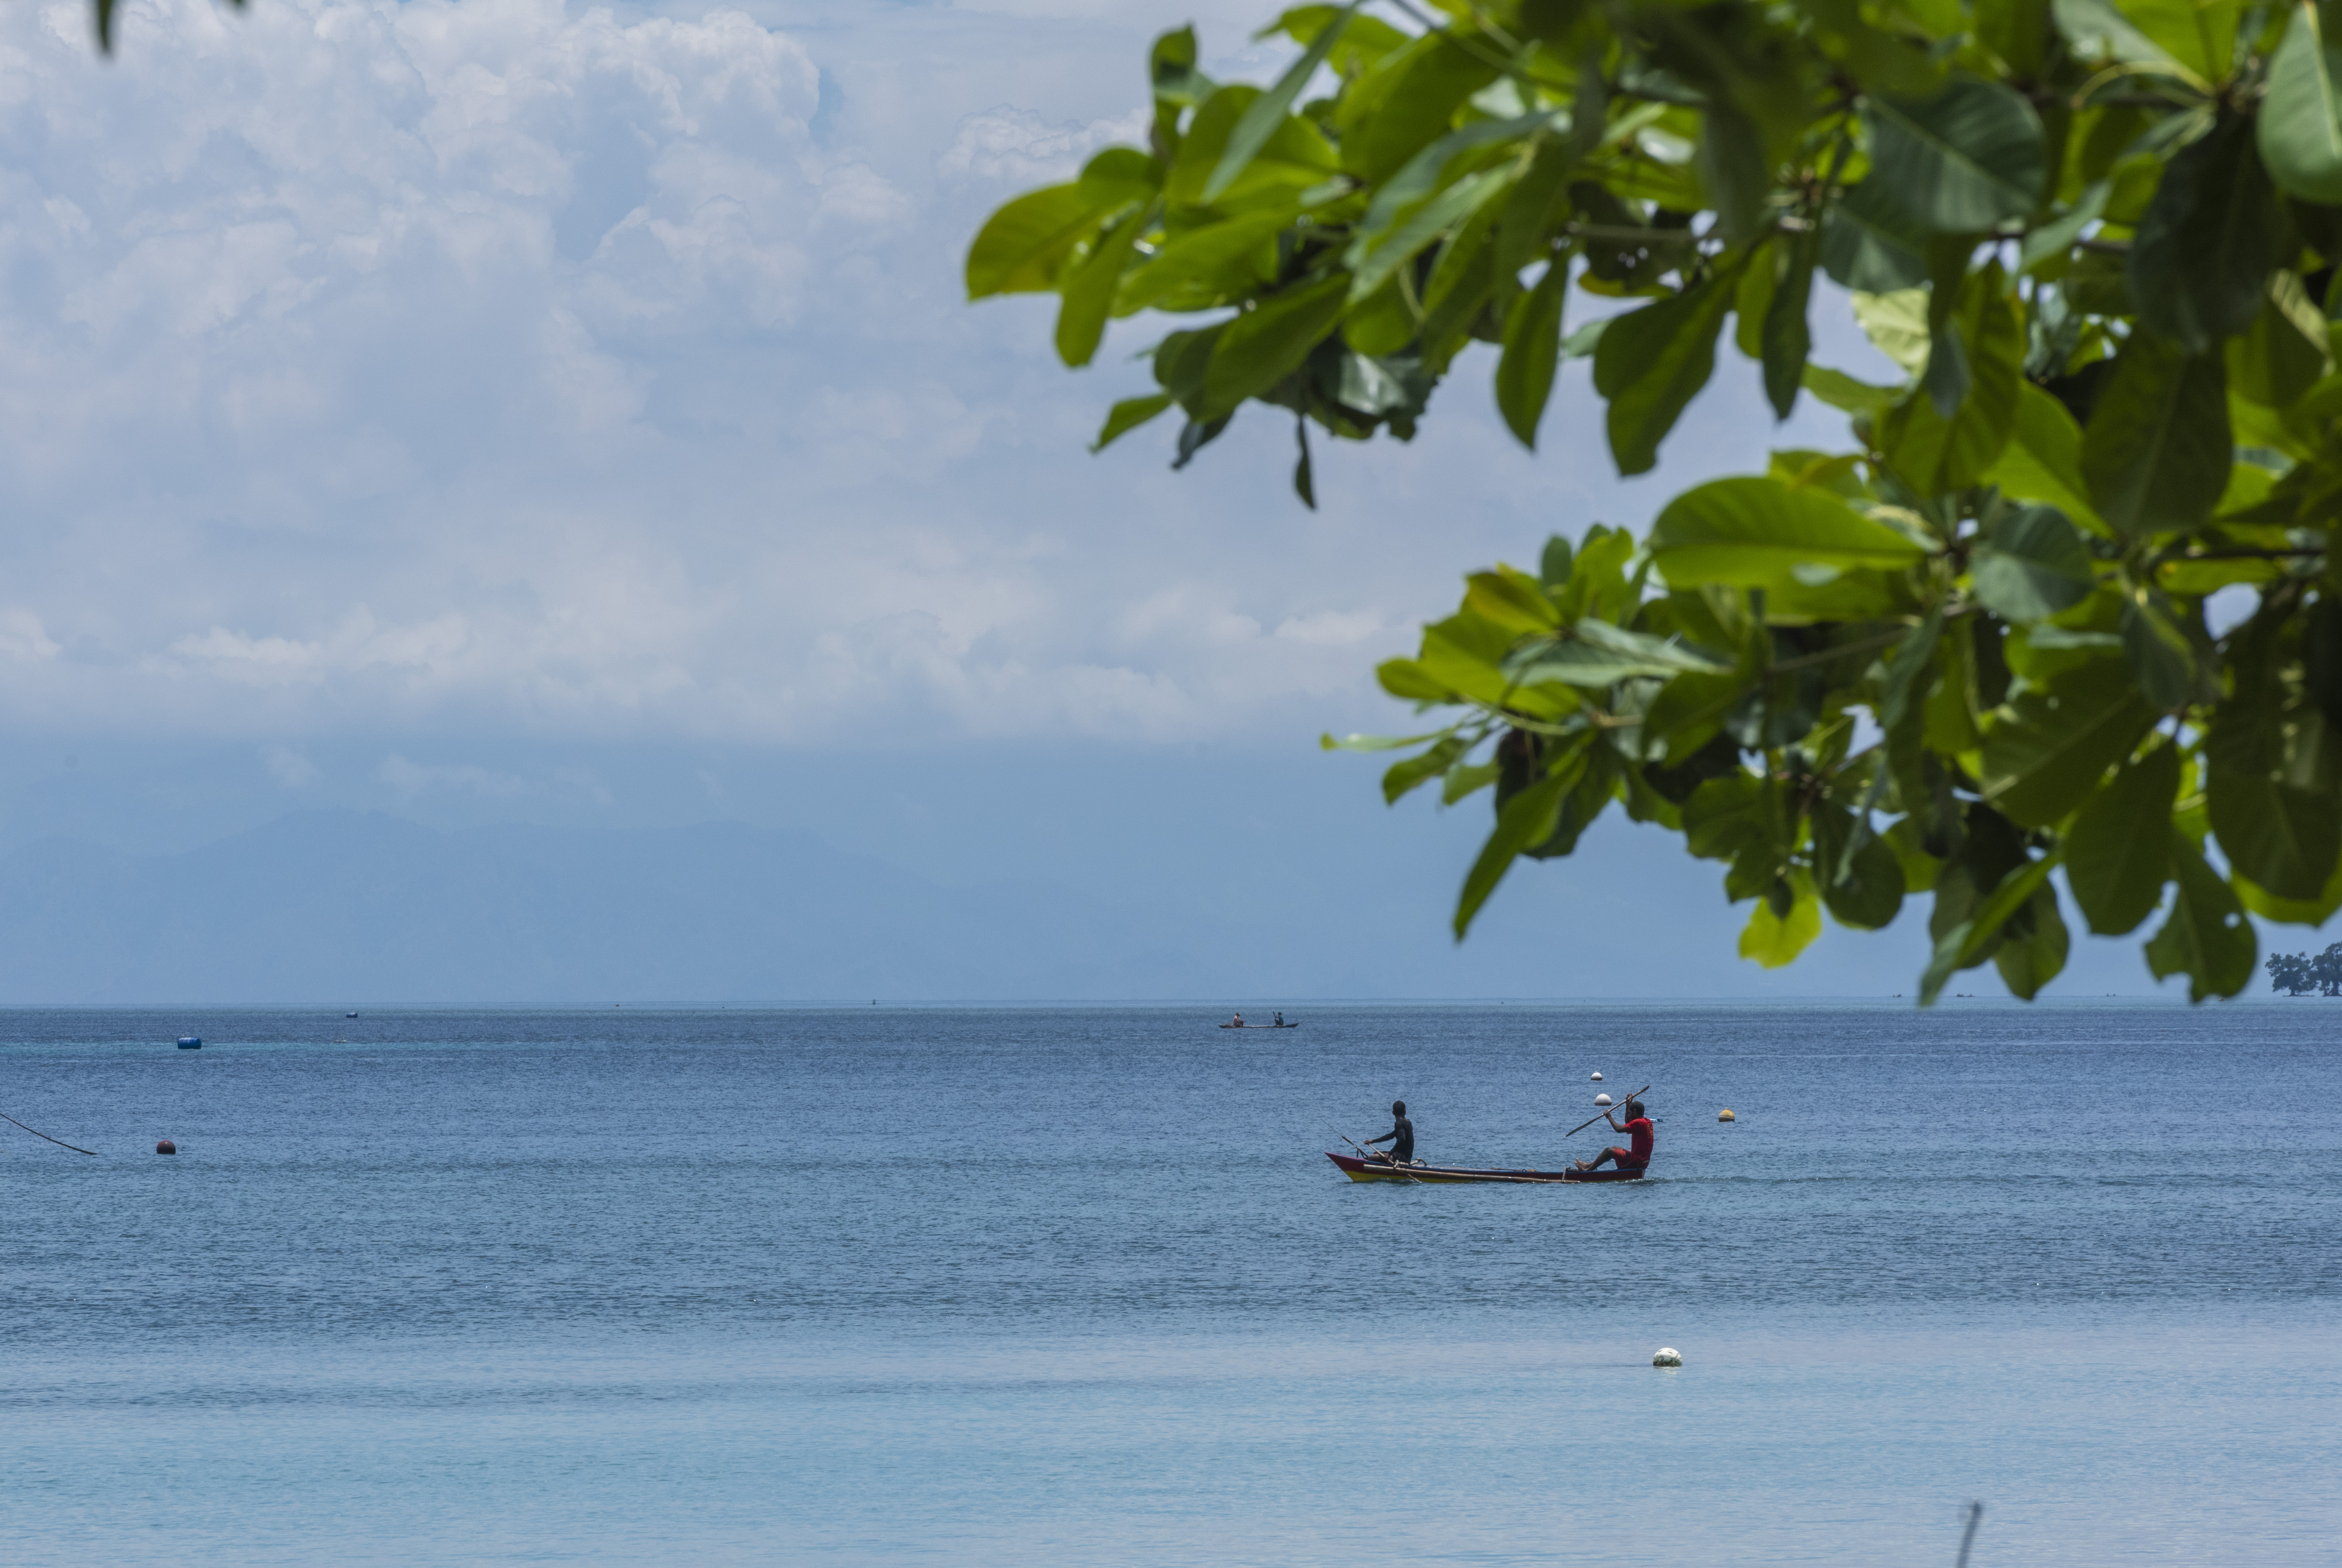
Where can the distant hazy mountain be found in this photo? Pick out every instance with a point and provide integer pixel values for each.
(363, 907)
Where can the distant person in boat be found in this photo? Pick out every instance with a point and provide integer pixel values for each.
(1238, 1021)
(1638, 1134)
(1279, 1020)
(1401, 1138)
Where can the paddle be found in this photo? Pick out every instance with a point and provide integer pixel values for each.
(1602, 1113)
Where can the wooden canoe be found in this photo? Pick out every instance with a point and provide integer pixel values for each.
(1359, 1170)
(1260, 1025)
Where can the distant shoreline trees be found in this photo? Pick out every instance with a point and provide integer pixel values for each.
(2296, 973)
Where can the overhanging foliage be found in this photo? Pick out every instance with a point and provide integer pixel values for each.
(2100, 240)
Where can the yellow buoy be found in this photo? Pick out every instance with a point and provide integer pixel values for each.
(1726, 1115)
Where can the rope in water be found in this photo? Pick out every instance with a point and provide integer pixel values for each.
(60, 1142)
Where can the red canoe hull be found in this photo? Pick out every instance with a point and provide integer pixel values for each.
(1359, 1170)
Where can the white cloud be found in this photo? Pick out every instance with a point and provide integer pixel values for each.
(369, 366)
(1018, 147)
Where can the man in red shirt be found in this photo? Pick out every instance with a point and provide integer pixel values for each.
(1638, 1134)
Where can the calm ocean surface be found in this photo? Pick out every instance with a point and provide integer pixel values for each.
(1076, 1286)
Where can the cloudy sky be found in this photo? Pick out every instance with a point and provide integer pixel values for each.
(508, 410)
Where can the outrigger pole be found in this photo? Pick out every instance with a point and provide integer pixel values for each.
(60, 1142)
(1596, 1117)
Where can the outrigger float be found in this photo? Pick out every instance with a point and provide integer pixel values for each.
(1359, 1170)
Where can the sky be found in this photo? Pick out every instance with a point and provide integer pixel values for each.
(512, 412)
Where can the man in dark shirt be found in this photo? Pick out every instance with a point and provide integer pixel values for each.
(1638, 1134)
(1401, 1138)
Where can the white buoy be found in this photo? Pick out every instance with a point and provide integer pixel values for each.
(1597, 1077)
(1668, 1358)
(1602, 1099)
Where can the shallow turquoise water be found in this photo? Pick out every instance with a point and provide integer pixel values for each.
(1076, 1285)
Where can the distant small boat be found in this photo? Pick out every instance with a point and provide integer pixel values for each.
(1359, 1170)
(349, 1014)
(191, 1042)
(1260, 1025)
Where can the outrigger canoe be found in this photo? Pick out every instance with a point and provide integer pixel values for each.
(1359, 1170)
(1260, 1025)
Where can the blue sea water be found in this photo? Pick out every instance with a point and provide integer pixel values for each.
(1078, 1285)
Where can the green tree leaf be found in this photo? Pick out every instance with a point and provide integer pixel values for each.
(1652, 361)
(1535, 202)
(1528, 818)
(2043, 459)
(1734, 170)
(1171, 71)
(2033, 565)
(2157, 450)
(1022, 247)
(2018, 31)
(1263, 345)
(1841, 391)
(1861, 881)
(2115, 861)
(1393, 249)
(1423, 85)
(2285, 352)
(2299, 126)
(1088, 293)
(2204, 253)
(1218, 260)
(1775, 937)
(2207, 936)
(1118, 176)
(1423, 768)
(2030, 958)
(1724, 815)
(2291, 911)
(2046, 752)
(1688, 712)
(2098, 31)
(1787, 339)
(1871, 246)
(1430, 170)
(1266, 115)
(1760, 532)
(2284, 839)
(1295, 156)
(2161, 659)
(1966, 160)
(1532, 350)
(1129, 416)
(1595, 653)
(1408, 679)
(2200, 35)
(1934, 453)
(1973, 939)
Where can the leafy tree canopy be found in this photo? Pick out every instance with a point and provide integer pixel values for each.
(2098, 237)
(2296, 973)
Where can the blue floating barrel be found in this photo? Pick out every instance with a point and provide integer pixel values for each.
(191, 1042)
